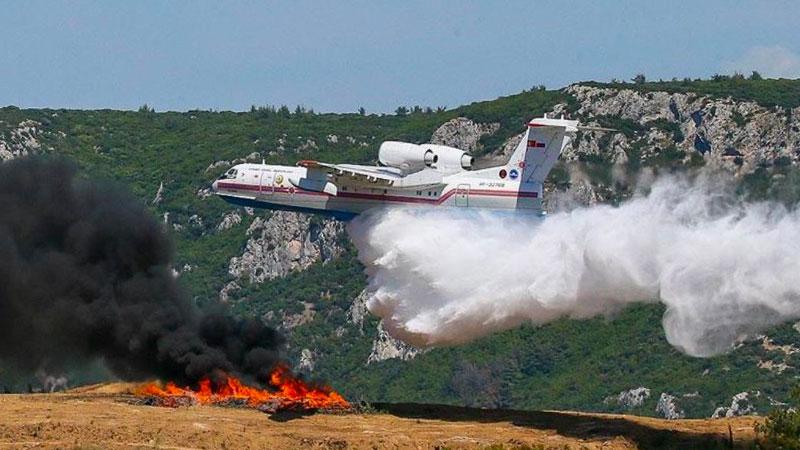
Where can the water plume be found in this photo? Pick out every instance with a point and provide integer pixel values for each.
(725, 269)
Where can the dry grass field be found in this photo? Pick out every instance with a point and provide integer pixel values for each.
(106, 417)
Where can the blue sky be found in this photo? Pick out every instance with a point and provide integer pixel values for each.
(337, 56)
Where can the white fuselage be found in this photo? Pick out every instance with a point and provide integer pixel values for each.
(283, 187)
(426, 175)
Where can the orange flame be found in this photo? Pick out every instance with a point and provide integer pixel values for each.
(288, 392)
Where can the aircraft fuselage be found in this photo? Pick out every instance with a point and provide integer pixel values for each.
(282, 188)
(424, 175)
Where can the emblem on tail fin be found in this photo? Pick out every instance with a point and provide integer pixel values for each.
(543, 142)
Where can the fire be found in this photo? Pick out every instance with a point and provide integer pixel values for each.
(288, 392)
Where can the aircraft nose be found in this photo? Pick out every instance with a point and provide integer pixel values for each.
(214, 186)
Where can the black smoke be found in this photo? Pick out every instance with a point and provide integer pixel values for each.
(85, 274)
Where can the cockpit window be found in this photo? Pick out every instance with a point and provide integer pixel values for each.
(229, 174)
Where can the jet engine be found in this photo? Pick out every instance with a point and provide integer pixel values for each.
(451, 159)
(406, 157)
(412, 157)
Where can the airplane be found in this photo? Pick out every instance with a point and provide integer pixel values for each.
(425, 175)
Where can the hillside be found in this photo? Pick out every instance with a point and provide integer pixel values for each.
(301, 274)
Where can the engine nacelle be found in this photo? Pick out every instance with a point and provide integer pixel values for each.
(406, 157)
(451, 159)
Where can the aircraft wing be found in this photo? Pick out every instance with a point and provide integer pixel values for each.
(378, 175)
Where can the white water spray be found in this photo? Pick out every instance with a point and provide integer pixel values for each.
(724, 269)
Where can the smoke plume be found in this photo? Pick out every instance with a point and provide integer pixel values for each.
(724, 269)
(85, 274)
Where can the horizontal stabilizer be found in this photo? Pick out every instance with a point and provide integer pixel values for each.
(585, 128)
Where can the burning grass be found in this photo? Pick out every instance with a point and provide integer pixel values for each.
(285, 392)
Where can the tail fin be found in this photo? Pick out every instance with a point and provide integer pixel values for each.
(540, 147)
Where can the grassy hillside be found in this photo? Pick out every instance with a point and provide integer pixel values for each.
(567, 364)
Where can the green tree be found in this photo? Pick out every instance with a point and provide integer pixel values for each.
(781, 429)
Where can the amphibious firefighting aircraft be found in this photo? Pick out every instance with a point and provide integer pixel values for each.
(408, 175)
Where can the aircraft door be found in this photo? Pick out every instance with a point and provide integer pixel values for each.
(266, 184)
(462, 195)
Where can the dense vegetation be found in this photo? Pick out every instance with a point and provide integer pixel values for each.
(567, 364)
(767, 92)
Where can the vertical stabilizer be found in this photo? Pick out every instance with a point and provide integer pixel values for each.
(540, 147)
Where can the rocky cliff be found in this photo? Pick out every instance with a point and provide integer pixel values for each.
(283, 242)
(19, 140)
(736, 135)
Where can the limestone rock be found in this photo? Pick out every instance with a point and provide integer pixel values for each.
(462, 133)
(284, 242)
(230, 220)
(159, 197)
(291, 321)
(772, 366)
(630, 399)
(668, 408)
(20, 141)
(738, 136)
(358, 310)
(225, 293)
(307, 361)
(204, 193)
(740, 406)
(386, 347)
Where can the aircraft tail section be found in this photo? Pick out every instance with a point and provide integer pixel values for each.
(540, 147)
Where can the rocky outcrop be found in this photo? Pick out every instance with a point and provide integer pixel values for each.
(230, 220)
(290, 321)
(629, 399)
(204, 193)
(358, 310)
(741, 405)
(386, 347)
(770, 346)
(284, 242)
(734, 135)
(462, 133)
(159, 197)
(775, 355)
(772, 366)
(227, 291)
(21, 140)
(667, 407)
(307, 361)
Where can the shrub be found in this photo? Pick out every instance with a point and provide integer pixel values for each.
(781, 429)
